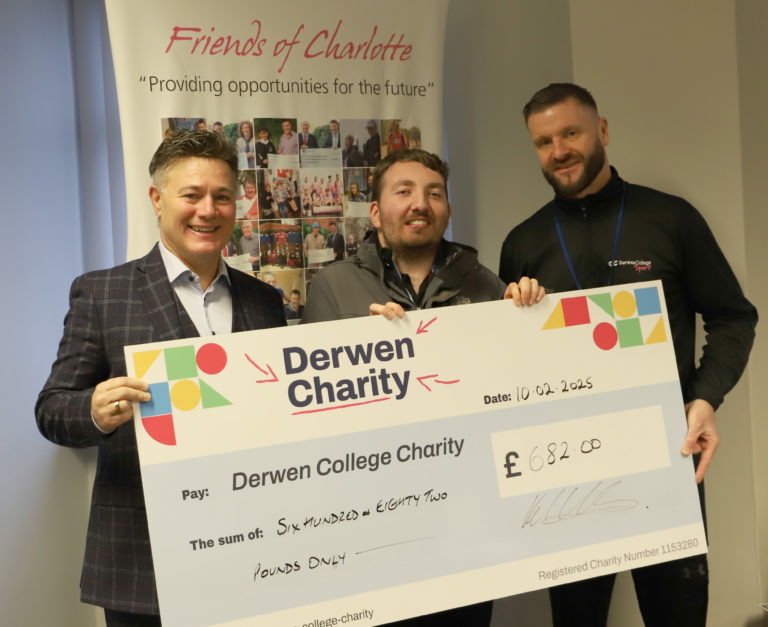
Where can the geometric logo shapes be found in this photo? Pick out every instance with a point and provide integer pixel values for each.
(658, 334)
(180, 362)
(630, 333)
(575, 310)
(211, 358)
(143, 361)
(159, 404)
(624, 304)
(185, 395)
(647, 301)
(555, 320)
(625, 307)
(160, 429)
(604, 302)
(182, 366)
(211, 398)
(605, 336)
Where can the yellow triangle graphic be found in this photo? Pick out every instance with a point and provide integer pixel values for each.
(658, 334)
(556, 318)
(143, 361)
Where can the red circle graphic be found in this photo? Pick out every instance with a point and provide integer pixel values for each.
(211, 358)
(605, 336)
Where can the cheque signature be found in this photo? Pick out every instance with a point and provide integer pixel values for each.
(558, 506)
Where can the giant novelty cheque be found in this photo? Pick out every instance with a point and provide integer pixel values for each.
(364, 471)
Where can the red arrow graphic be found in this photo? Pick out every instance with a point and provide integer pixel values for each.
(260, 369)
(421, 380)
(433, 376)
(423, 328)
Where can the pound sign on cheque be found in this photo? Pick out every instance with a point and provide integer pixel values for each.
(509, 464)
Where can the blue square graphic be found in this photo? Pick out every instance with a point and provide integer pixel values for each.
(647, 299)
(160, 403)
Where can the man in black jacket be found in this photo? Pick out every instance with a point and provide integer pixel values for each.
(600, 230)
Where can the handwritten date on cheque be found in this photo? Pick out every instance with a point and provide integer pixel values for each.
(522, 393)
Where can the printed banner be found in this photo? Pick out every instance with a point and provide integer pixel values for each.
(313, 94)
(364, 471)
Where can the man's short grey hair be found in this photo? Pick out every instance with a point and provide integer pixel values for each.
(185, 143)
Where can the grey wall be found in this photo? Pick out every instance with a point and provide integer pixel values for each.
(497, 54)
(752, 49)
(44, 488)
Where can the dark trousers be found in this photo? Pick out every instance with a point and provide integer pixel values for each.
(129, 619)
(478, 615)
(672, 594)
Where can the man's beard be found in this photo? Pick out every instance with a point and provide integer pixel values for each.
(389, 237)
(593, 163)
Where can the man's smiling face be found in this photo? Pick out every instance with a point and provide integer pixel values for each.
(195, 207)
(570, 140)
(412, 211)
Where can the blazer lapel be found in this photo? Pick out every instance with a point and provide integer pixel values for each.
(166, 313)
(242, 318)
(249, 311)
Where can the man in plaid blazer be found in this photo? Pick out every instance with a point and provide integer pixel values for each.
(182, 288)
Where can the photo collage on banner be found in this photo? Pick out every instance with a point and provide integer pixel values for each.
(304, 192)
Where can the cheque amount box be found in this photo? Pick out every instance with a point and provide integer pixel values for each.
(558, 454)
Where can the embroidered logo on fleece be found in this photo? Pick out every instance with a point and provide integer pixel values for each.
(638, 265)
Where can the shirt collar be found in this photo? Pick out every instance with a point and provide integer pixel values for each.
(175, 267)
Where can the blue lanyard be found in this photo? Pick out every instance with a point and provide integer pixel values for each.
(408, 290)
(615, 237)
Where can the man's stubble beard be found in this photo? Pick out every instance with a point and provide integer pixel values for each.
(593, 163)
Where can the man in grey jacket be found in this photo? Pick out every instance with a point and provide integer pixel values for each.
(405, 263)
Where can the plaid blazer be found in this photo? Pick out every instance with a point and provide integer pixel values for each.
(108, 309)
